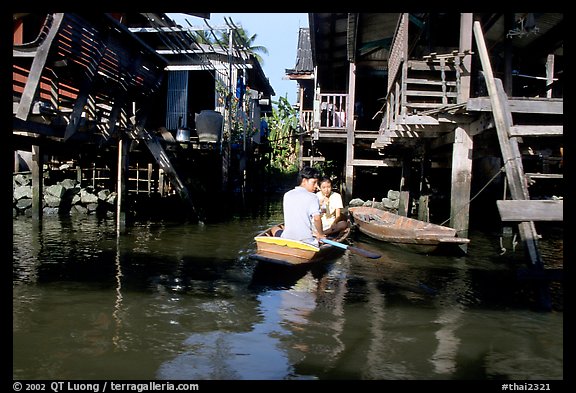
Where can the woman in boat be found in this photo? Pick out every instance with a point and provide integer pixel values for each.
(333, 220)
(301, 207)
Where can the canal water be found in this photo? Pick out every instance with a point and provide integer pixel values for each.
(183, 301)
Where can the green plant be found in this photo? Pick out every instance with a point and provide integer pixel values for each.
(244, 42)
(283, 136)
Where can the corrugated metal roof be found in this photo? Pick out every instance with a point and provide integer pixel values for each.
(304, 56)
(304, 64)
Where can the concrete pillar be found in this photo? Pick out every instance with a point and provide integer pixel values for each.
(461, 181)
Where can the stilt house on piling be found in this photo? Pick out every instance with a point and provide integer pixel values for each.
(114, 97)
(439, 105)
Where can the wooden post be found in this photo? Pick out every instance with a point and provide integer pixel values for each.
(549, 74)
(137, 179)
(404, 203)
(122, 177)
(423, 211)
(149, 178)
(304, 128)
(301, 137)
(37, 184)
(94, 175)
(350, 125)
(161, 184)
(466, 20)
(509, 21)
(461, 182)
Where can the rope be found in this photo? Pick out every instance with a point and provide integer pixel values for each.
(476, 195)
(502, 248)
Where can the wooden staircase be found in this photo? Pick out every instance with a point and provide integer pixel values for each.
(521, 208)
(163, 160)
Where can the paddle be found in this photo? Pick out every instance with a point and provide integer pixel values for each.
(355, 250)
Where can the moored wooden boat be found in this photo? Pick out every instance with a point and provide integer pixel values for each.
(292, 252)
(416, 235)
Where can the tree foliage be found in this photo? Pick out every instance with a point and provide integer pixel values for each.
(242, 41)
(284, 132)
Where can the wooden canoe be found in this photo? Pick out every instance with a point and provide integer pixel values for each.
(292, 252)
(416, 235)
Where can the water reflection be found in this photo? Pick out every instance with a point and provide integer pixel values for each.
(117, 314)
(175, 301)
(449, 316)
(225, 354)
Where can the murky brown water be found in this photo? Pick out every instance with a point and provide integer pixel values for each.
(174, 301)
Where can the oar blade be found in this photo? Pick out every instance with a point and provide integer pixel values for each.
(355, 250)
(364, 253)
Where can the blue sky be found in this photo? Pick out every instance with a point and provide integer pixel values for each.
(278, 32)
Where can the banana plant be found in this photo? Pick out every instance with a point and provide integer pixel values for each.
(283, 138)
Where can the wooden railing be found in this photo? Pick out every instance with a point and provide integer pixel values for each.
(306, 120)
(422, 86)
(398, 49)
(333, 110)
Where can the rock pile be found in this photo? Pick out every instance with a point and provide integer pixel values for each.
(64, 197)
(389, 203)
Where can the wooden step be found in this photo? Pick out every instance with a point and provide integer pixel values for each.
(419, 81)
(548, 106)
(531, 210)
(428, 93)
(531, 176)
(531, 130)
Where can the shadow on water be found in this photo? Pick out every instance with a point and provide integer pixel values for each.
(271, 276)
(493, 280)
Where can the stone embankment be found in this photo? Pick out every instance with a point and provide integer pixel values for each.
(389, 203)
(63, 198)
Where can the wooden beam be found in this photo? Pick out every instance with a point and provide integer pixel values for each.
(166, 165)
(547, 106)
(531, 176)
(531, 210)
(76, 115)
(418, 65)
(536, 130)
(417, 120)
(484, 122)
(387, 162)
(442, 140)
(35, 74)
(19, 125)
